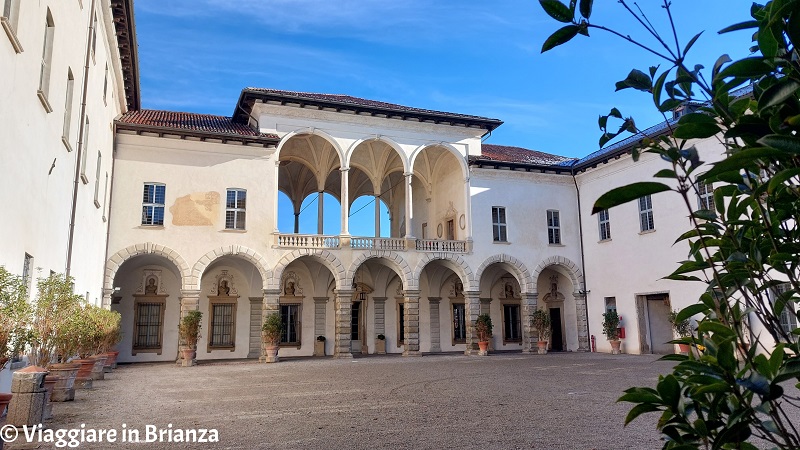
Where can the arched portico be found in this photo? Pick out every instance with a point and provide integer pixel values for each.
(561, 290)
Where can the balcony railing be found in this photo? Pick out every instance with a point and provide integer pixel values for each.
(433, 245)
(308, 241)
(370, 243)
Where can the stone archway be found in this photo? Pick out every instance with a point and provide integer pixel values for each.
(572, 271)
(115, 262)
(234, 250)
(326, 257)
(527, 283)
(395, 261)
(456, 263)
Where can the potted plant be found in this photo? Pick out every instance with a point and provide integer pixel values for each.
(271, 334)
(189, 332)
(319, 346)
(682, 329)
(380, 345)
(15, 315)
(541, 323)
(483, 328)
(611, 330)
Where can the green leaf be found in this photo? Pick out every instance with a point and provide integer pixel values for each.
(691, 42)
(740, 160)
(739, 26)
(625, 194)
(789, 144)
(670, 390)
(639, 395)
(696, 126)
(665, 173)
(638, 410)
(691, 310)
(784, 89)
(561, 36)
(745, 68)
(780, 177)
(557, 10)
(717, 65)
(637, 80)
(586, 8)
(711, 326)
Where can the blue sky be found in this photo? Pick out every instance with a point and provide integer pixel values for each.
(468, 56)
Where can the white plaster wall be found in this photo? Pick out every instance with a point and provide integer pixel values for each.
(40, 170)
(242, 338)
(632, 263)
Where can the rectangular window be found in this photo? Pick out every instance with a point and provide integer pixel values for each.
(148, 326)
(511, 323)
(705, 196)
(65, 133)
(97, 181)
(553, 227)
(788, 314)
(84, 153)
(47, 61)
(604, 224)
(235, 207)
(27, 266)
(290, 319)
(499, 232)
(105, 197)
(10, 21)
(459, 324)
(223, 325)
(153, 204)
(646, 214)
(401, 324)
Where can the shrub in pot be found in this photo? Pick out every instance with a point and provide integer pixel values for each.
(483, 328)
(540, 321)
(271, 335)
(189, 331)
(682, 328)
(15, 315)
(380, 345)
(52, 312)
(611, 330)
(319, 346)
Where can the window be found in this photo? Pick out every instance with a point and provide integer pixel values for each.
(153, 204)
(84, 154)
(27, 265)
(290, 319)
(65, 133)
(105, 197)
(605, 225)
(788, 314)
(235, 209)
(459, 324)
(553, 227)
(705, 196)
(10, 20)
(105, 85)
(611, 304)
(511, 324)
(222, 324)
(148, 326)
(646, 214)
(499, 231)
(97, 181)
(94, 36)
(47, 62)
(401, 324)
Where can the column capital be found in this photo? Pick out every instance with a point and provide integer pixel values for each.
(378, 299)
(344, 292)
(411, 293)
(267, 292)
(344, 169)
(433, 300)
(472, 294)
(190, 293)
(408, 174)
(321, 299)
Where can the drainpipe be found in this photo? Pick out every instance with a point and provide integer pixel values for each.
(107, 205)
(80, 150)
(583, 257)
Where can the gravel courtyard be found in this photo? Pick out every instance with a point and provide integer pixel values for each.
(504, 401)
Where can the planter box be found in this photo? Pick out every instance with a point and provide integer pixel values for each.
(380, 347)
(319, 348)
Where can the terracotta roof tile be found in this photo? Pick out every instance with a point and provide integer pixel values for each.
(506, 153)
(204, 123)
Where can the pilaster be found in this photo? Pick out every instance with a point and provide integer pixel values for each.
(342, 338)
(411, 311)
(472, 308)
(528, 306)
(583, 325)
(190, 301)
(435, 324)
(270, 304)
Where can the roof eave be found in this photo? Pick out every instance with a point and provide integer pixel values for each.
(125, 25)
(527, 167)
(248, 97)
(266, 141)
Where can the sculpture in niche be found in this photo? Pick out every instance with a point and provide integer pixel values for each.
(291, 285)
(458, 288)
(553, 295)
(151, 287)
(151, 283)
(224, 285)
(508, 291)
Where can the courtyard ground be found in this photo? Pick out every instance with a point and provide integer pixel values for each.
(504, 401)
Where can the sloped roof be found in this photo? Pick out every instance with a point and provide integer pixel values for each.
(201, 125)
(340, 102)
(511, 154)
(125, 28)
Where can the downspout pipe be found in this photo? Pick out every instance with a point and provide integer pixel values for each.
(79, 153)
(585, 291)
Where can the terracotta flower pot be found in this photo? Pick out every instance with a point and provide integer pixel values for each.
(272, 353)
(684, 349)
(542, 345)
(50, 381)
(5, 399)
(84, 378)
(187, 354)
(615, 344)
(484, 348)
(64, 388)
(111, 361)
(97, 371)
